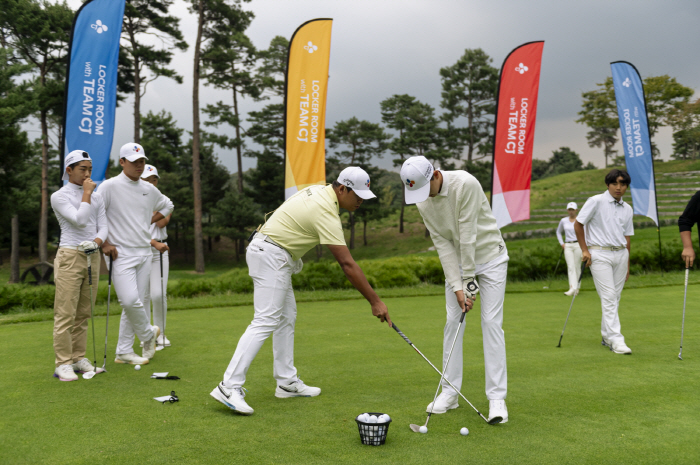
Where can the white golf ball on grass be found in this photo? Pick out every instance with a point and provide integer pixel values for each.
(137, 367)
(423, 429)
(464, 431)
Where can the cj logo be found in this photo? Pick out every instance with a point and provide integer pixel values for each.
(367, 184)
(626, 82)
(99, 27)
(136, 148)
(521, 68)
(410, 183)
(310, 47)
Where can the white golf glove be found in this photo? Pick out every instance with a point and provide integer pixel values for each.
(470, 287)
(89, 247)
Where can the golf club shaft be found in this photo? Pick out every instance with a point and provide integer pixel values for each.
(162, 298)
(685, 295)
(444, 368)
(109, 296)
(92, 312)
(555, 268)
(439, 372)
(583, 267)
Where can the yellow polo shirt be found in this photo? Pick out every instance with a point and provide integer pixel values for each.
(306, 219)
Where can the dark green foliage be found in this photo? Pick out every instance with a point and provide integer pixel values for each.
(563, 161)
(482, 171)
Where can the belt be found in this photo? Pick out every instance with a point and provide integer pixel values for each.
(612, 248)
(572, 242)
(162, 242)
(268, 240)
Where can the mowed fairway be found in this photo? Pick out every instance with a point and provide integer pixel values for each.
(577, 404)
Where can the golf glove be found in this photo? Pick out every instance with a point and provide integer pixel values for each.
(89, 247)
(470, 287)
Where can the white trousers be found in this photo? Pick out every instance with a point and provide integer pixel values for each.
(491, 278)
(609, 270)
(275, 314)
(572, 255)
(158, 298)
(131, 276)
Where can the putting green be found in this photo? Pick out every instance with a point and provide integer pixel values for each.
(577, 404)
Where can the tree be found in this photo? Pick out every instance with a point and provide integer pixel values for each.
(599, 113)
(562, 161)
(235, 215)
(686, 136)
(665, 98)
(469, 91)
(360, 142)
(211, 15)
(227, 63)
(39, 31)
(148, 18)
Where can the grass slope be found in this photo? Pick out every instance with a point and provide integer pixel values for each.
(577, 404)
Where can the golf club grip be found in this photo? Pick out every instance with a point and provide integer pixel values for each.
(161, 264)
(583, 268)
(401, 334)
(109, 277)
(89, 264)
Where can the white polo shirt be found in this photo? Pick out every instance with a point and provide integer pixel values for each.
(80, 221)
(606, 221)
(566, 227)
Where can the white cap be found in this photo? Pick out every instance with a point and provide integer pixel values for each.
(572, 205)
(132, 152)
(148, 171)
(416, 174)
(74, 157)
(356, 179)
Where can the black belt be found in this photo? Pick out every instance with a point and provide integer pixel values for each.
(572, 242)
(162, 242)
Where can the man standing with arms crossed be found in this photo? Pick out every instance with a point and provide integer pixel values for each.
(458, 216)
(605, 247)
(305, 220)
(130, 203)
(81, 215)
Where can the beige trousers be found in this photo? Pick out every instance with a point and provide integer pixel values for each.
(72, 304)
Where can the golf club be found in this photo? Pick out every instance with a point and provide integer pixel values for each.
(92, 373)
(109, 295)
(416, 428)
(493, 421)
(583, 267)
(555, 270)
(685, 294)
(162, 300)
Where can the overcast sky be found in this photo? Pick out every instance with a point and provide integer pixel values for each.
(386, 47)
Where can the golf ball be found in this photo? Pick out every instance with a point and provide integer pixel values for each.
(423, 429)
(137, 367)
(464, 431)
(383, 418)
(372, 419)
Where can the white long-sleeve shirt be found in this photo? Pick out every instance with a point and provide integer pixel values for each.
(80, 221)
(567, 228)
(461, 226)
(130, 206)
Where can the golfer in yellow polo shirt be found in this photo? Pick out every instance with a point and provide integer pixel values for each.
(308, 218)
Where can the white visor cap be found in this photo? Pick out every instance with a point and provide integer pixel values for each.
(572, 205)
(74, 157)
(148, 171)
(132, 152)
(356, 179)
(416, 174)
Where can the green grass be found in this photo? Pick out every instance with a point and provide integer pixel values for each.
(577, 404)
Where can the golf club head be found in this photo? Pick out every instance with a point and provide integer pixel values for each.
(89, 374)
(414, 428)
(679, 357)
(495, 420)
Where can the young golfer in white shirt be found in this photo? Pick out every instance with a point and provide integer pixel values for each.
(603, 228)
(469, 244)
(130, 203)
(572, 251)
(159, 274)
(81, 215)
(305, 220)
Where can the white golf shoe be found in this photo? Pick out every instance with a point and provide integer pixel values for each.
(131, 359)
(443, 403)
(65, 373)
(497, 408)
(297, 389)
(232, 398)
(149, 347)
(621, 348)
(84, 366)
(570, 292)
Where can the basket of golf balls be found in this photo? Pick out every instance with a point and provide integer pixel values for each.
(373, 427)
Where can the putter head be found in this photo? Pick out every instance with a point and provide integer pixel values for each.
(495, 420)
(414, 428)
(89, 374)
